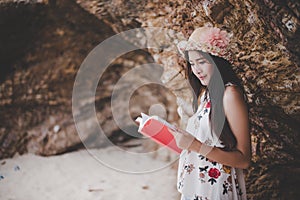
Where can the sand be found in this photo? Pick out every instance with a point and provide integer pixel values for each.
(79, 176)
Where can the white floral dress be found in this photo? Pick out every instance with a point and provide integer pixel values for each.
(201, 178)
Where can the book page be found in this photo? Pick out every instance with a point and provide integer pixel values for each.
(142, 120)
(145, 118)
(171, 126)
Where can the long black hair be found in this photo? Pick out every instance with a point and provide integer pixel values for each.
(216, 87)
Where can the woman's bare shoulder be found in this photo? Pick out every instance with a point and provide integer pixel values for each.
(233, 94)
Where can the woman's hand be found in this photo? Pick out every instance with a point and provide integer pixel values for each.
(183, 139)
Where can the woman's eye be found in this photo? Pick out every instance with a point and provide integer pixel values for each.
(198, 63)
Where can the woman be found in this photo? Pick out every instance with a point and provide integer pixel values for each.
(217, 146)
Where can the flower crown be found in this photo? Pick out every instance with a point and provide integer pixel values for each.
(211, 40)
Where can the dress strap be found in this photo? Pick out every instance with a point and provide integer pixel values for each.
(201, 100)
(206, 95)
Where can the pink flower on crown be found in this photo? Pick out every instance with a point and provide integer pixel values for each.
(215, 37)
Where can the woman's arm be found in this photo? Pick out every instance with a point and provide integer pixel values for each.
(237, 116)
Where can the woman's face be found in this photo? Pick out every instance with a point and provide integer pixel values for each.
(201, 67)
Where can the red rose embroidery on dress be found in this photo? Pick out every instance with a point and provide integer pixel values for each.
(207, 105)
(214, 173)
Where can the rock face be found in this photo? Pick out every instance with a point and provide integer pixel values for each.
(266, 59)
(38, 74)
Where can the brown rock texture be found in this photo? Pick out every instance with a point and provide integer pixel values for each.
(266, 58)
(40, 57)
(44, 51)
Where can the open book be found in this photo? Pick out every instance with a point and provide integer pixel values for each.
(157, 129)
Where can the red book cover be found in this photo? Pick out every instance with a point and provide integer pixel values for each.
(157, 129)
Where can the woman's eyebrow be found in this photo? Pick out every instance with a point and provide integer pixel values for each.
(198, 59)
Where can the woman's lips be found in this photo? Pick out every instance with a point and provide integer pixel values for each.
(202, 77)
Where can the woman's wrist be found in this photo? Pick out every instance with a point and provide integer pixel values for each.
(195, 146)
(200, 147)
(205, 149)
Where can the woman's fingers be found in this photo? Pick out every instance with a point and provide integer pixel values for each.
(185, 141)
(182, 138)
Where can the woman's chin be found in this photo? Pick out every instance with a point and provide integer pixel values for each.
(203, 82)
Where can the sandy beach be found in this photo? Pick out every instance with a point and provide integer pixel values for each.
(78, 175)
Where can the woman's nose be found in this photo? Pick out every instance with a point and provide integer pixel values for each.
(198, 69)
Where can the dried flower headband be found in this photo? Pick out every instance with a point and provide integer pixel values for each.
(211, 40)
